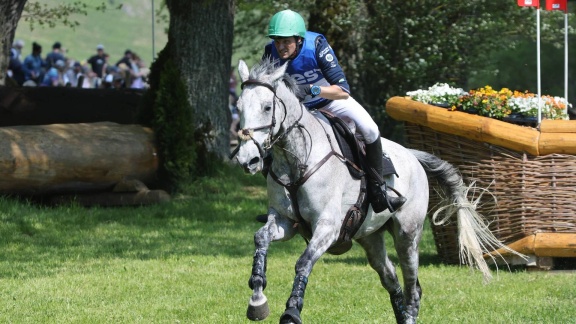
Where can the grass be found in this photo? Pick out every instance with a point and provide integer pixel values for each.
(189, 260)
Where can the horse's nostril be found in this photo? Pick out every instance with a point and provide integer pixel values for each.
(254, 161)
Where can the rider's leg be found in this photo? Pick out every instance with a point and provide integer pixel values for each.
(365, 125)
(377, 188)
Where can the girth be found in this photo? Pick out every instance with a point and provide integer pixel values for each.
(355, 215)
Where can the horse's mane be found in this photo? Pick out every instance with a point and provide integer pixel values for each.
(266, 67)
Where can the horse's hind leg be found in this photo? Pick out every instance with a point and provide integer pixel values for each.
(379, 261)
(276, 228)
(406, 240)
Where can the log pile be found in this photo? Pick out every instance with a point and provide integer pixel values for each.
(74, 157)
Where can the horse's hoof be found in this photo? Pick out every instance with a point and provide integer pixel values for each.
(291, 316)
(258, 311)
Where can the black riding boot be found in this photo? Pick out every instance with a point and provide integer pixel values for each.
(377, 189)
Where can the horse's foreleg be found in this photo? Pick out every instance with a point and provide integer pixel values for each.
(379, 261)
(274, 229)
(322, 239)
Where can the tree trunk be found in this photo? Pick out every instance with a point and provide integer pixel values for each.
(74, 157)
(200, 40)
(10, 12)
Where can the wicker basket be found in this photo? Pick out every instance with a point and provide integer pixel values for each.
(533, 193)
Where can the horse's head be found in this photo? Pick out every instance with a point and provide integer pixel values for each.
(261, 113)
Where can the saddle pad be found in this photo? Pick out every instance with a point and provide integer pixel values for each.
(353, 149)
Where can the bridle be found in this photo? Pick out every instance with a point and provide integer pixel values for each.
(246, 134)
(292, 187)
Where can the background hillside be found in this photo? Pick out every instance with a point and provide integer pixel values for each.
(127, 28)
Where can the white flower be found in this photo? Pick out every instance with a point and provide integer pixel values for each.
(438, 93)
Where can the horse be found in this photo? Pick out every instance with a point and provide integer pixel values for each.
(310, 187)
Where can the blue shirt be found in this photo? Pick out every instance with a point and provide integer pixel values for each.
(315, 64)
(33, 63)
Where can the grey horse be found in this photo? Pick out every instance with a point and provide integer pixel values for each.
(309, 187)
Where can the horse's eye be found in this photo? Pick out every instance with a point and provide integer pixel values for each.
(267, 108)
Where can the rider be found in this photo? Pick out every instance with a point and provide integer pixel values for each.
(313, 64)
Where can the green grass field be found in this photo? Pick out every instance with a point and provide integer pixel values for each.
(189, 260)
(118, 30)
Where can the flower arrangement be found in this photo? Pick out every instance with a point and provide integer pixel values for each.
(439, 94)
(491, 103)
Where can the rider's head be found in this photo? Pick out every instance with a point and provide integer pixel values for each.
(287, 28)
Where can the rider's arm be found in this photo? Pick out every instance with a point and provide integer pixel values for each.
(332, 71)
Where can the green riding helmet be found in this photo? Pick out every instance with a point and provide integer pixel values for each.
(286, 23)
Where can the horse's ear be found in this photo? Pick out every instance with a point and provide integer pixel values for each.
(279, 73)
(243, 70)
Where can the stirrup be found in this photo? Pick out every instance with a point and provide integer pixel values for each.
(381, 201)
(395, 202)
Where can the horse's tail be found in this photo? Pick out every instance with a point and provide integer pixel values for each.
(474, 237)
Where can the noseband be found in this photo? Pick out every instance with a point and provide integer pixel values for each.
(246, 134)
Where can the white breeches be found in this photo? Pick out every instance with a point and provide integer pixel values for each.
(352, 110)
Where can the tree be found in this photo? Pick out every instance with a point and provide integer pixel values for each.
(192, 74)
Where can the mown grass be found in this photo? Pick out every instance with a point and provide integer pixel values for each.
(189, 260)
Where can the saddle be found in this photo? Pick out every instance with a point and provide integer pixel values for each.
(353, 151)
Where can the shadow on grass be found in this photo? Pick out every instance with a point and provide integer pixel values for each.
(213, 217)
(425, 259)
(216, 217)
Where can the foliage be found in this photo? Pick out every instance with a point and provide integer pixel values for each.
(172, 123)
(491, 103)
(188, 261)
(36, 13)
(516, 69)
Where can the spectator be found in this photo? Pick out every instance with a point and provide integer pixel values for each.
(16, 50)
(89, 77)
(126, 59)
(15, 68)
(55, 55)
(232, 84)
(55, 75)
(138, 72)
(113, 80)
(74, 75)
(98, 62)
(34, 66)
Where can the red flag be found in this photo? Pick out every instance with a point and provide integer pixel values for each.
(557, 5)
(529, 3)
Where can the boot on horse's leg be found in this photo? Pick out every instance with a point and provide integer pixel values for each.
(377, 188)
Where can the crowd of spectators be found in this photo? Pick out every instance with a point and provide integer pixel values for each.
(56, 69)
